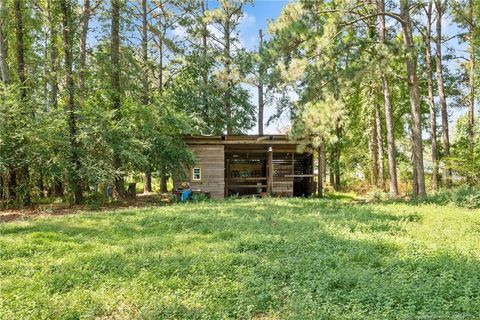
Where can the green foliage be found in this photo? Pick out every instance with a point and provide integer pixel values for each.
(265, 258)
(323, 65)
(466, 197)
(204, 103)
(376, 195)
(465, 158)
(334, 66)
(163, 96)
(95, 200)
(200, 197)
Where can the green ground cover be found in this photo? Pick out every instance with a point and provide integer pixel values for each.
(261, 259)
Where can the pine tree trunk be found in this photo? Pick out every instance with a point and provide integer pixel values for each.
(147, 188)
(163, 184)
(160, 64)
(75, 164)
(12, 185)
(391, 148)
(260, 86)
(321, 160)
(324, 156)
(337, 159)
(145, 80)
(228, 93)
(381, 151)
(431, 100)
(414, 180)
(26, 199)
(373, 153)
(2, 190)
(331, 168)
(83, 49)
(205, 58)
(53, 76)
(41, 185)
(20, 48)
(471, 100)
(411, 65)
(338, 182)
(119, 183)
(11, 180)
(471, 75)
(3, 44)
(57, 187)
(441, 92)
(23, 174)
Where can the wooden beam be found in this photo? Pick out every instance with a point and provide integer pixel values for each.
(299, 175)
(241, 141)
(256, 151)
(248, 179)
(293, 163)
(226, 175)
(248, 186)
(270, 170)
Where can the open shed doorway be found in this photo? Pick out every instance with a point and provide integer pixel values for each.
(303, 175)
(245, 171)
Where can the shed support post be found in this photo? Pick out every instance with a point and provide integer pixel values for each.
(320, 170)
(270, 170)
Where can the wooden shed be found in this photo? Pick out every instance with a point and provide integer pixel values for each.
(249, 165)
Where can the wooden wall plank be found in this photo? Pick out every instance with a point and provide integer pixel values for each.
(211, 160)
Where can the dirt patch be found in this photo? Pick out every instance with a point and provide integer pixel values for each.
(60, 209)
(5, 217)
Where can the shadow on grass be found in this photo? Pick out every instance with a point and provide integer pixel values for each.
(305, 259)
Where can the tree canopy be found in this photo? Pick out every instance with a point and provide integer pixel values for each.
(370, 84)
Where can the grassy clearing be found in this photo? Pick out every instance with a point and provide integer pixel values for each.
(263, 259)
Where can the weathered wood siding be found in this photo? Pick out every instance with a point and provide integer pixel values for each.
(283, 165)
(211, 159)
(283, 187)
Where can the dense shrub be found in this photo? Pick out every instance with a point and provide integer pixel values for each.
(466, 197)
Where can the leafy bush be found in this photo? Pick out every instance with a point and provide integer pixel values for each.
(95, 200)
(376, 195)
(472, 201)
(466, 197)
(199, 197)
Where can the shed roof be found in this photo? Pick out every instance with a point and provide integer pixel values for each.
(242, 139)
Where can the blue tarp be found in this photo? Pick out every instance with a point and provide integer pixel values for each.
(185, 195)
